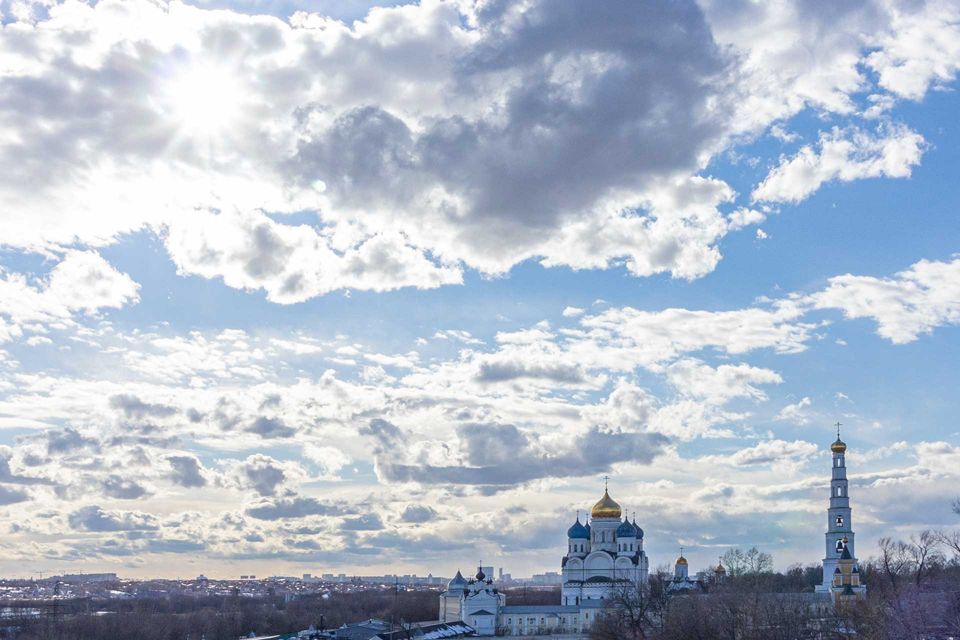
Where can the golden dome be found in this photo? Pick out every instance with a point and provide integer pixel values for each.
(681, 560)
(606, 507)
(839, 446)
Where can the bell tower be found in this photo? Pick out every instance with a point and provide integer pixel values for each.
(839, 535)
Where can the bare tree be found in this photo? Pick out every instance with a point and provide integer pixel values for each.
(894, 560)
(950, 540)
(735, 561)
(924, 555)
(630, 613)
(758, 562)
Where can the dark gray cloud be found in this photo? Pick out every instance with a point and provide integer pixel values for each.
(135, 408)
(93, 518)
(12, 496)
(369, 522)
(294, 507)
(187, 471)
(410, 546)
(492, 452)
(174, 545)
(270, 428)
(417, 514)
(68, 440)
(596, 99)
(384, 432)
(122, 488)
(7, 475)
(504, 371)
(262, 473)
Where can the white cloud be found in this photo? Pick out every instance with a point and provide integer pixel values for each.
(572, 312)
(911, 303)
(921, 48)
(330, 460)
(295, 263)
(699, 380)
(845, 156)
(768, 452)
(796, 412)
(628, 337)
(81, 283)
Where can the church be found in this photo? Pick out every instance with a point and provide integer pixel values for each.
(603, 555)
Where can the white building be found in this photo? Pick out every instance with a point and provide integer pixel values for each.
(682, 582)
(840, 570)
(602, 556)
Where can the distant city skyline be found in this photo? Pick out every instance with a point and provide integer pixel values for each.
(292, 287)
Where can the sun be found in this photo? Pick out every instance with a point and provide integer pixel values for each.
(205, 99)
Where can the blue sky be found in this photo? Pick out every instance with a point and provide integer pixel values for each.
(267, 268)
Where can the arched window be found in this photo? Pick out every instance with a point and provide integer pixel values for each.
(839, 546)
(839, 521)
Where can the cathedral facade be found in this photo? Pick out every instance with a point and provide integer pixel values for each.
(603, 555)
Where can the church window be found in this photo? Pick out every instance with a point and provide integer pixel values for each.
(839, 491)
(839, 546)
(839, 521)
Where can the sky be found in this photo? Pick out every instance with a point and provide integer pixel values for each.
(306, 287)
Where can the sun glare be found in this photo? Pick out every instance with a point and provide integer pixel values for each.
(205, 99)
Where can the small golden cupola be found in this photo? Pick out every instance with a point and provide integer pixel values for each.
(606, 507)
(839, 446)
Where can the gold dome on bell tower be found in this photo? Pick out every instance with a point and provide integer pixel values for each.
(839, 446)
(606, 507)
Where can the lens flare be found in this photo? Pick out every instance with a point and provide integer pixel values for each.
(205, 99)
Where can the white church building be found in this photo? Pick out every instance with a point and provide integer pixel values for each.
(603, 555)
